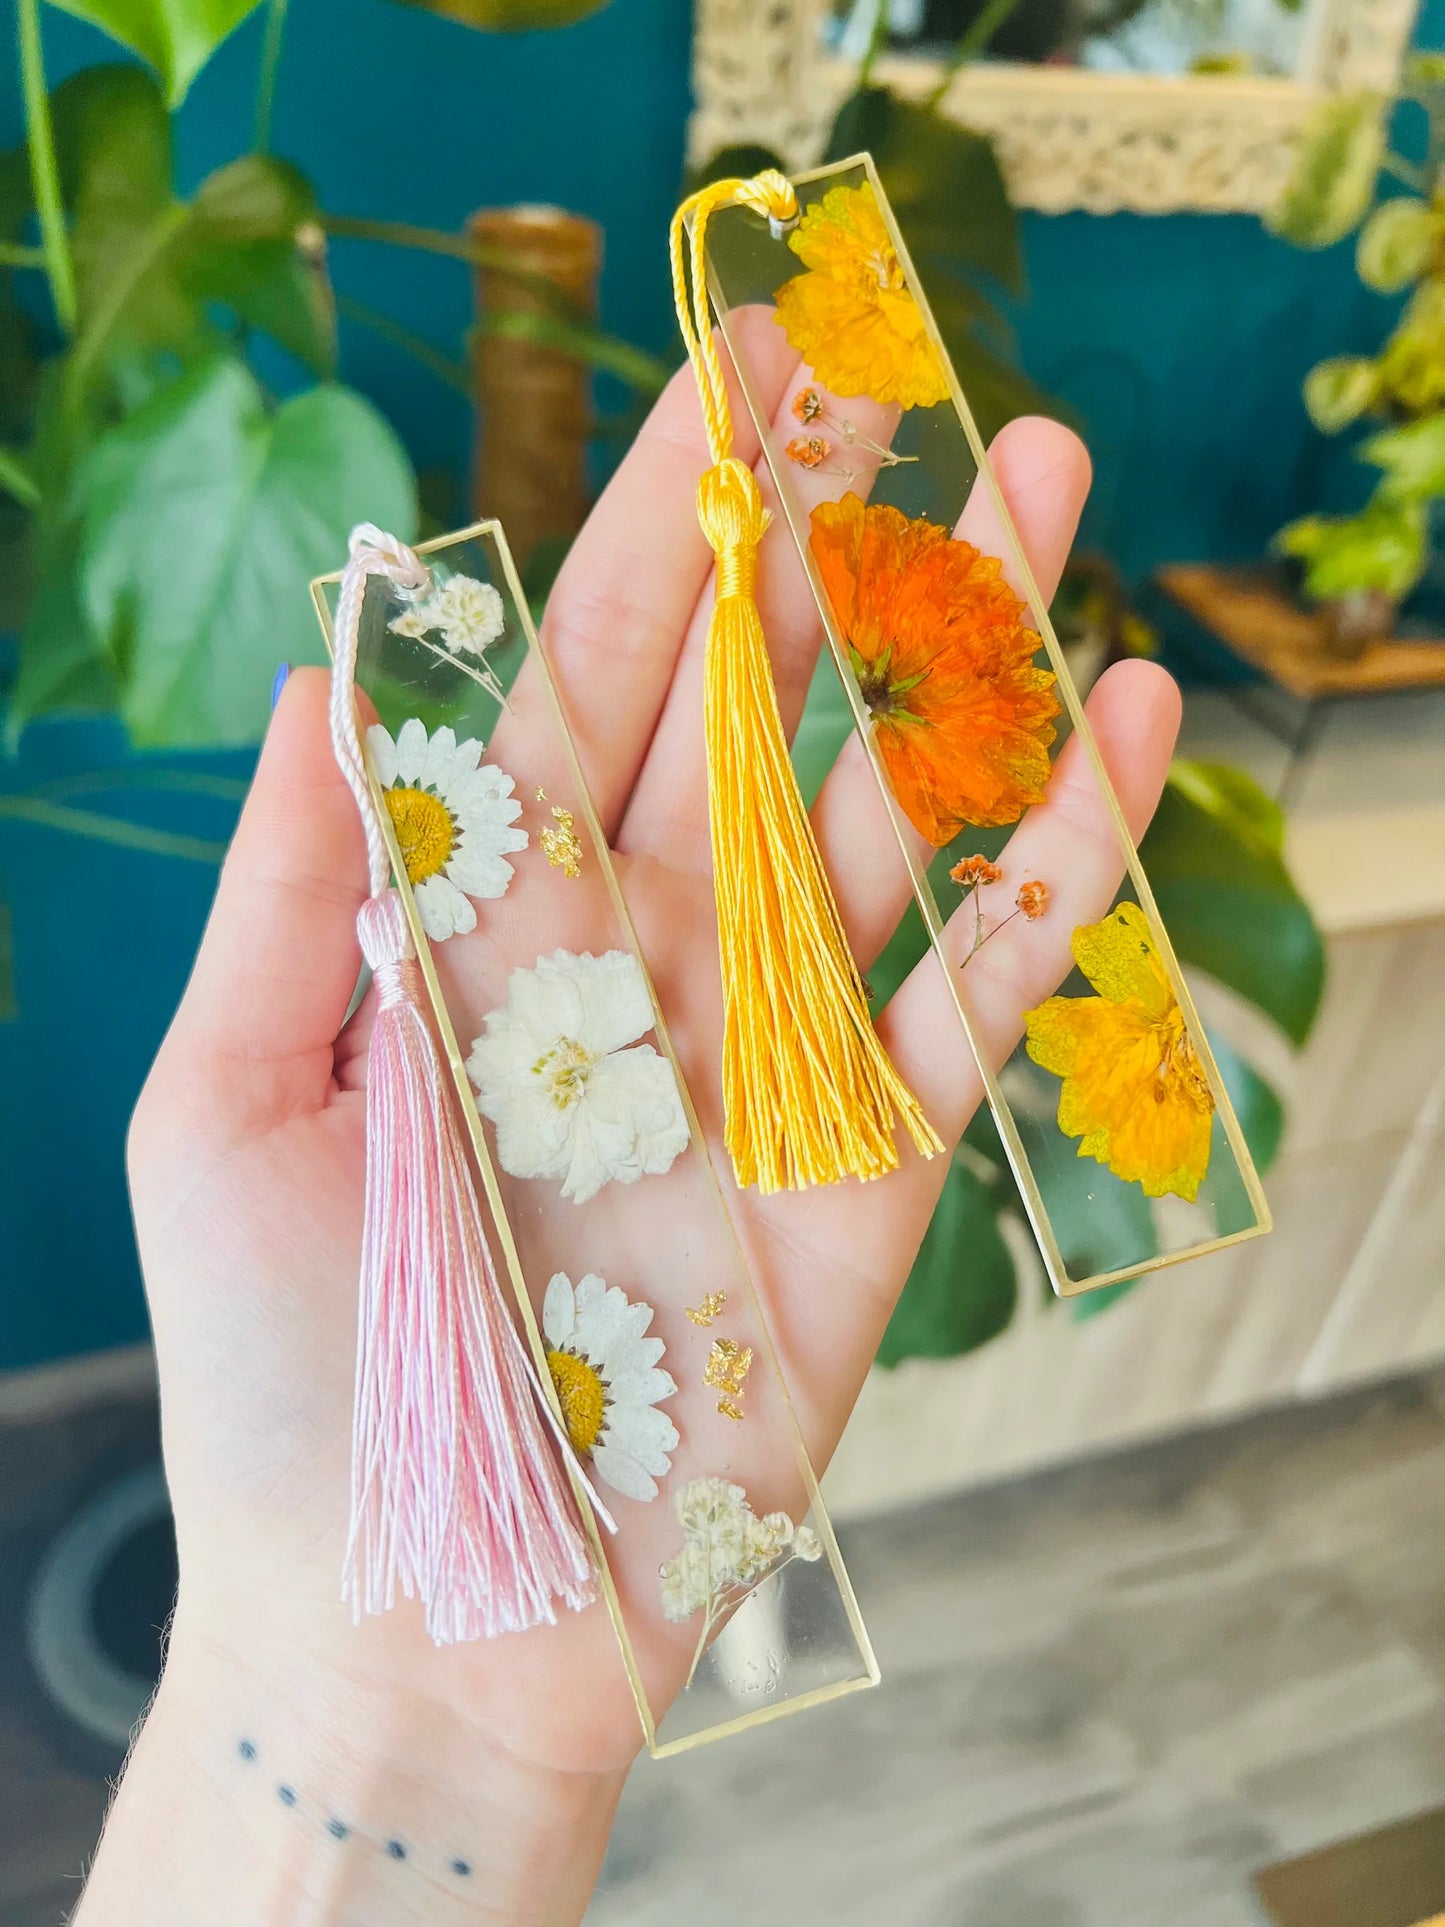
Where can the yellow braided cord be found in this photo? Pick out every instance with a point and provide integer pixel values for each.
(810, 1092)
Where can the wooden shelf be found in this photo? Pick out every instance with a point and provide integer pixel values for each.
(1262, 625)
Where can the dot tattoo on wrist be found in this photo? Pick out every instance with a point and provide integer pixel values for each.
(344, 1831)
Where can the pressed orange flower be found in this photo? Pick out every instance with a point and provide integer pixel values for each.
(962, 718)
(852, 315)
(807, 450)
(807, 405)
(1033, 899)
(972, 872)
(1134, 1092)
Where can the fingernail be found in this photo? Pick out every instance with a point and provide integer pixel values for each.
(280, 683)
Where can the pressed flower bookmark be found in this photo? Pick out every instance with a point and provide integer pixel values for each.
(1109, 1104)
(521, 1045)
(809, 1091)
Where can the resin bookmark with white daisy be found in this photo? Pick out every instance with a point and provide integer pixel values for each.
(722, 1581)
(1109, 1103)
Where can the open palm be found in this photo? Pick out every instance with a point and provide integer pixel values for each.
(247, 1151)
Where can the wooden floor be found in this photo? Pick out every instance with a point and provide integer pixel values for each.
(1110, 1695)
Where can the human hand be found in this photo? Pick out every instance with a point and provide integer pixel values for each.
(248, 1147)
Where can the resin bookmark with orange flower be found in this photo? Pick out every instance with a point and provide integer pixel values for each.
(1108, 1101)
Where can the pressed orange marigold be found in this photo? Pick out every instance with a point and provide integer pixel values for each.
(937, 639)
(852, 316)
(1134, 1092)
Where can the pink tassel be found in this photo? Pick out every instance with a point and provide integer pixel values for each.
(456, 1493)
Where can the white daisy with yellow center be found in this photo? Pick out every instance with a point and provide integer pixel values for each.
(608, 1385)
(453, 821)
(560, 1073)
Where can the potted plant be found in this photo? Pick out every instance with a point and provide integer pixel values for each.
(1361, 567)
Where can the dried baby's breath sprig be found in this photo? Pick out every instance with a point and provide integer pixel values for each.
(726, 1548)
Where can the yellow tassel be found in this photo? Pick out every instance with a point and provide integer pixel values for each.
(810, 1093)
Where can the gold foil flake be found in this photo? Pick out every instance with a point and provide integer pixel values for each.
(561, 846)
(728, 1364)
(711, 1305)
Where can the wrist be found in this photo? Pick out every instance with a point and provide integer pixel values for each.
(270, 1785)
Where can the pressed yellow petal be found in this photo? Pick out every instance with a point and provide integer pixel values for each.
(1120, 960)
(1134, 1092)
(852, 315)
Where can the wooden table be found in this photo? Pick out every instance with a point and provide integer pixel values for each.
(1285, 679)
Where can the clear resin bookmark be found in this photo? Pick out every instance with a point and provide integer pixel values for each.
(1107, 1098)
(601, 1210)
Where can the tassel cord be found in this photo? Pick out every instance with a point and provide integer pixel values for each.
(809, 1093)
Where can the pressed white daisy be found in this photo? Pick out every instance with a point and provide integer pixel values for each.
(608, 1383)
(453, 821)
(555, 1074)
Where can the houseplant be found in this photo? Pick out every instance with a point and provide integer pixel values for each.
(1360, 567)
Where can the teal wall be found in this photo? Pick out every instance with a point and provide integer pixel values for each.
(1180, 341)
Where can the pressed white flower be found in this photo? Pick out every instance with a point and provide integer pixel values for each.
(470, 614)
(725, 1547)
(608, 1382)
(467, 614)
(412, 623)
(453, 821)
(555, 1074)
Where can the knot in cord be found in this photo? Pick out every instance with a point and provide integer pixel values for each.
(386, 945)
(375, 552)
(730, 509)
(771, 195)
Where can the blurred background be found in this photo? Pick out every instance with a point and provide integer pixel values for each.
(1156, 1576)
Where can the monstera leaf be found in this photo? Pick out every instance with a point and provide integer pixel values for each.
(201, 520)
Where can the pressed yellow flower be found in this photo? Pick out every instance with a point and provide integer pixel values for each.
(1134, 1093)
(852, 316)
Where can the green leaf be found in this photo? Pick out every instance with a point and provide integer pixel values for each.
(1234, 801)
(204, 518)
(113, 140)
(254, 241)
(1257, 1104)
(1397, 244)
(1383, 547)
(176, 37)
(580, 342)
(1412, 362)
(1340, 390)
(63, 666)
(1336, 165)
(1228, 901)
(943, 181)
(962, 1289)
(1413, 457)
